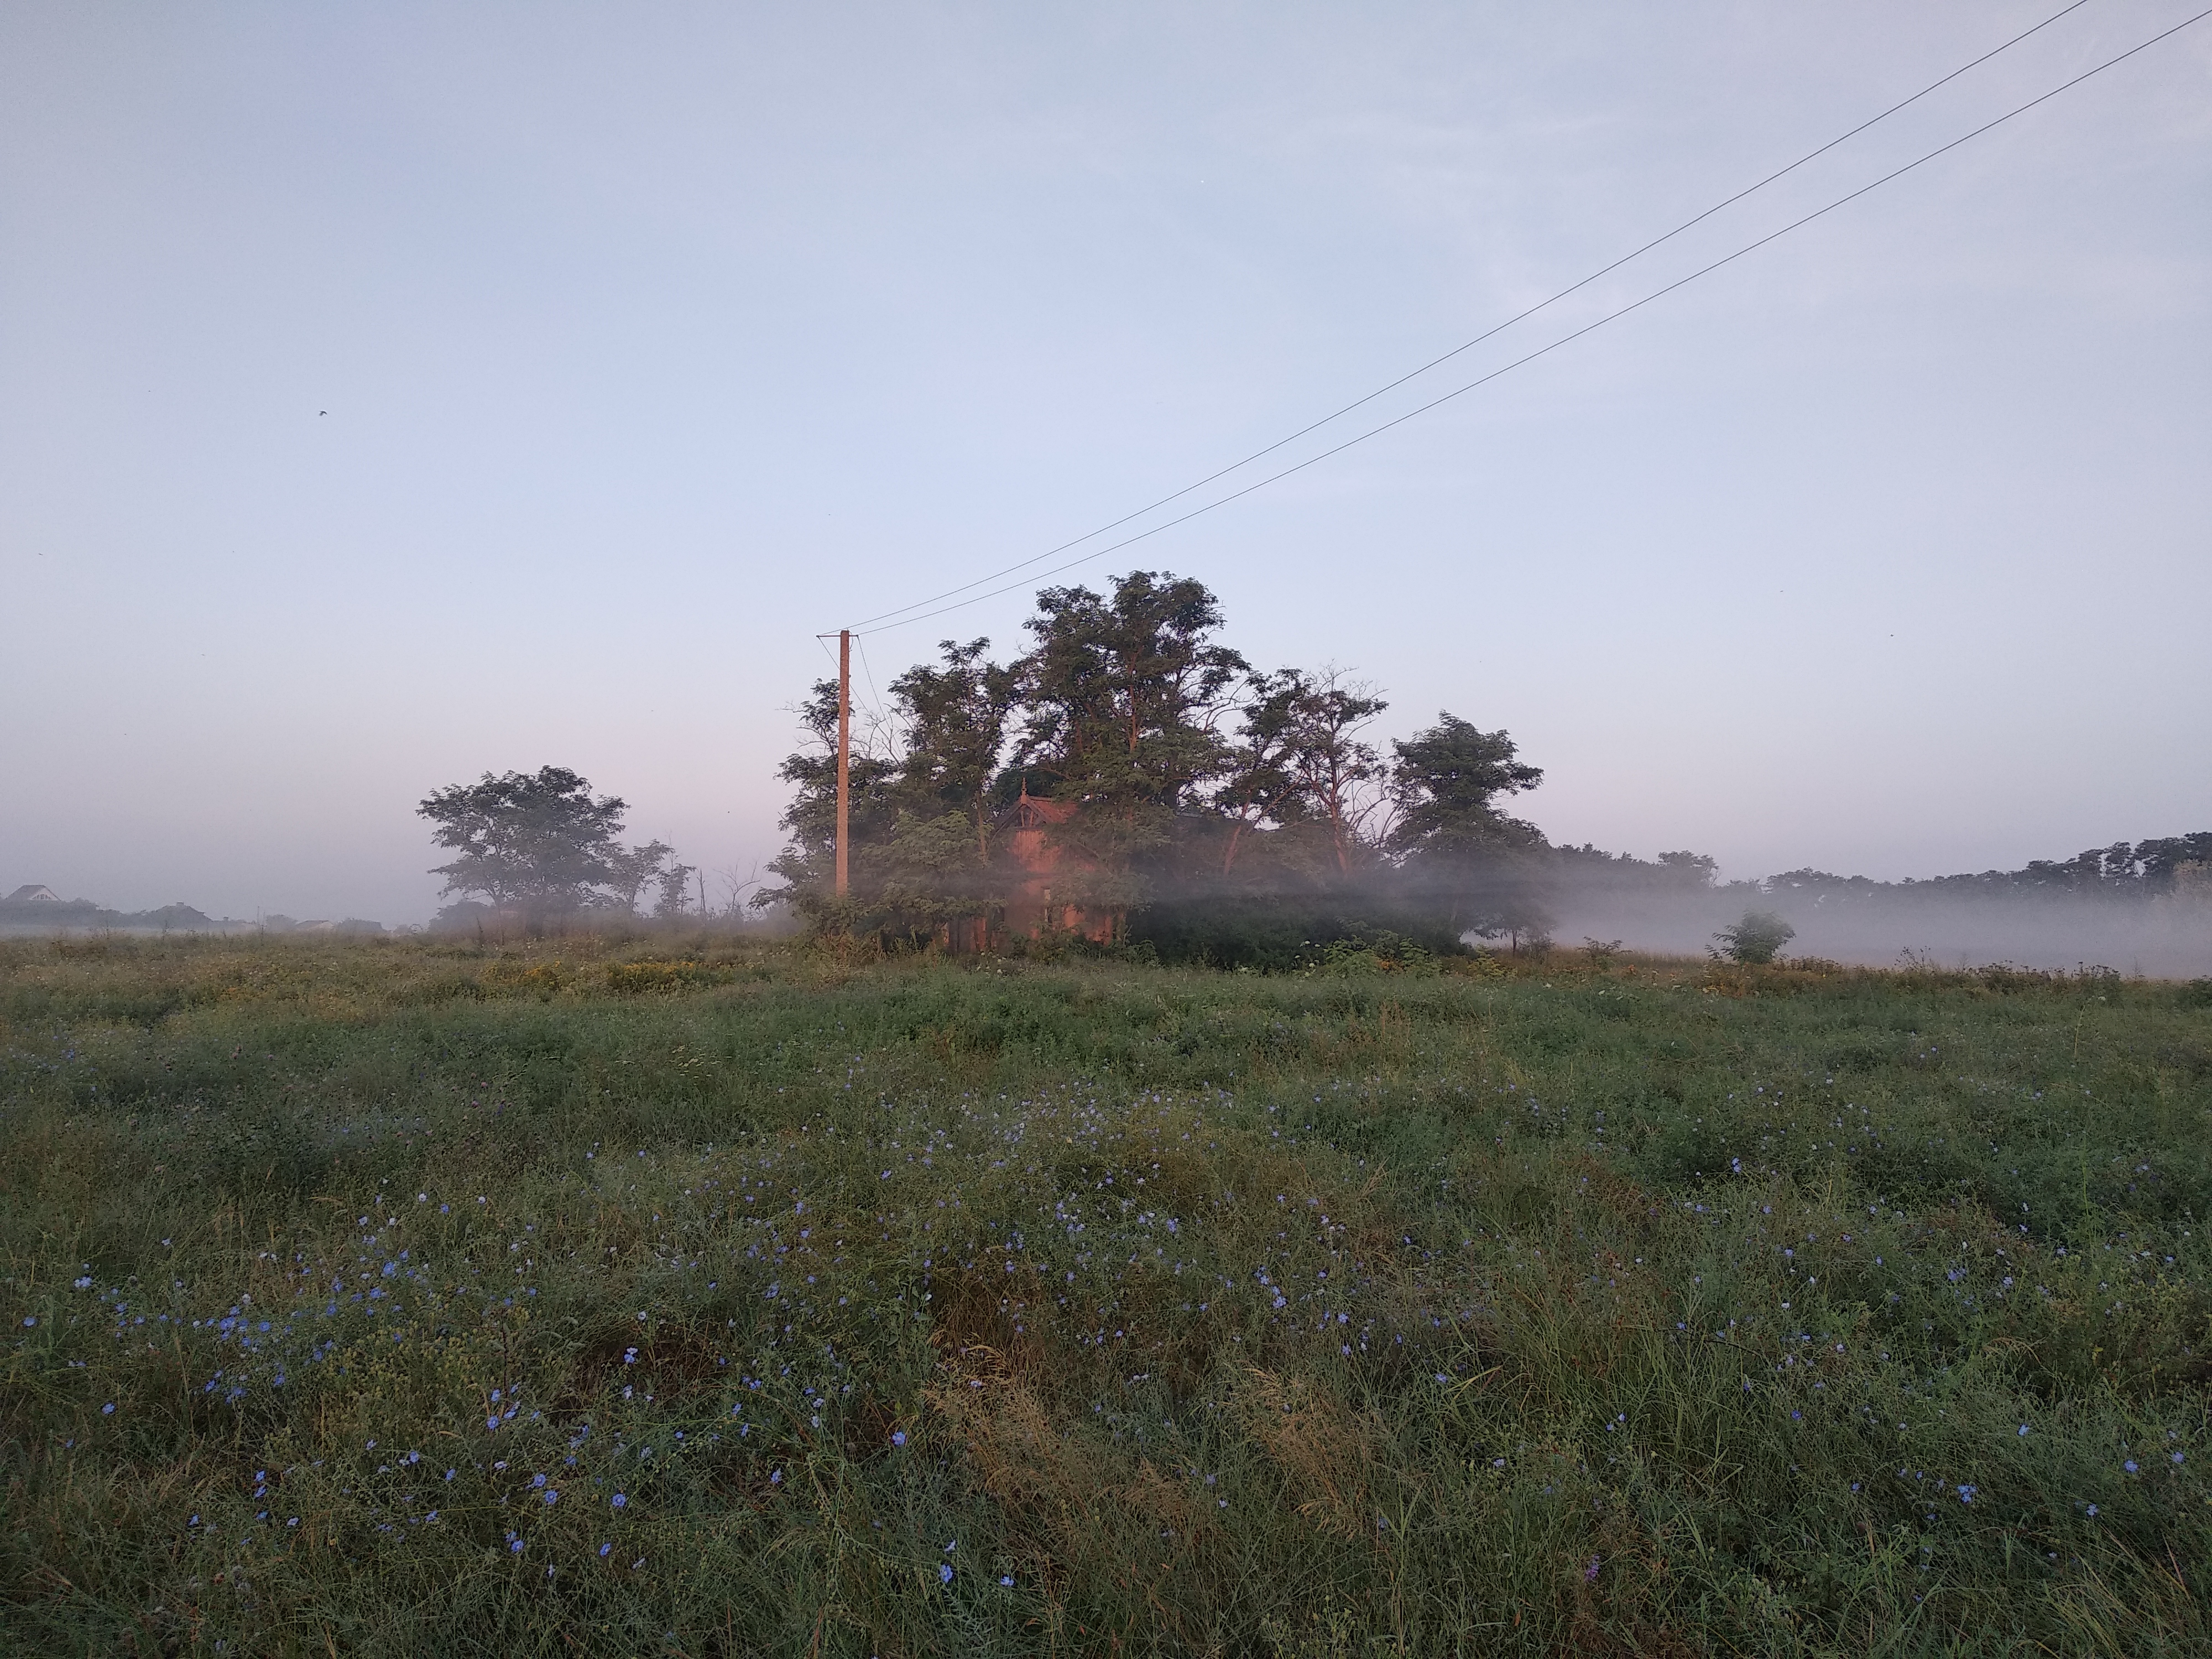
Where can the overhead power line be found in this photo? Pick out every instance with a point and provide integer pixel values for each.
(876, 707)
(1520, 316)
(1611, 316)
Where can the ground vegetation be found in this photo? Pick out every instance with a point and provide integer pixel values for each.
(690, 1295)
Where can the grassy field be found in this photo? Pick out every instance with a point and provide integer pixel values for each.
(710, 1298)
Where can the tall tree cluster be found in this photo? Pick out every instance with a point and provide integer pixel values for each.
(1178, 771)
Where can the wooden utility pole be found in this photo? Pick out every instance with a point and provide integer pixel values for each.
(844, 752)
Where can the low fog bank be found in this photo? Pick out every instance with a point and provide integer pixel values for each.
(2163, 937)
(35, 911)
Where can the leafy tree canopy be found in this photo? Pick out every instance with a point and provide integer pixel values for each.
(1173, 767)
(1124, 695)
(538, 842)
(1447, 781)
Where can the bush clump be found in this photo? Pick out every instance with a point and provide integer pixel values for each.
(1273, 935)
(1755, 940)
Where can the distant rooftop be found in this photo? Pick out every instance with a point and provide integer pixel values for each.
(34, 894)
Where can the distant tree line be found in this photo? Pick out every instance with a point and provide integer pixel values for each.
(2124, 871)
(20, 911)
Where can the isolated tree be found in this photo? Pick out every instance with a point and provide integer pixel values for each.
(675, 884)
(539, 843)
(1447, 781)
(1450, 834)
(1338, 777)
(630, 868)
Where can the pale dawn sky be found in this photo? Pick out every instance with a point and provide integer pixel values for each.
(393, 393)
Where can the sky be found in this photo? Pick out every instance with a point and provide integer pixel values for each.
(394, 393)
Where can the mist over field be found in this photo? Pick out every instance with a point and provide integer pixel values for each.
(2164, 937)
(2168, 939)
(2143, 910)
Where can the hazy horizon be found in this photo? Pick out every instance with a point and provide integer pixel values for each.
(387, 398)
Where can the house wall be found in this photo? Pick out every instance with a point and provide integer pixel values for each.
(1032, 909)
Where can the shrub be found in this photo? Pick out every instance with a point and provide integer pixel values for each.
(1601, 952)
(1279, 934)
(1756, 939)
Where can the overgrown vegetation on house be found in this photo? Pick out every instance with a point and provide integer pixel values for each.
(1132, 776)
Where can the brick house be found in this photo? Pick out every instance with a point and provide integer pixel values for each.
(1032, 909)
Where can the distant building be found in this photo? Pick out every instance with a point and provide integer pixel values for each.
(1032, 909)
(33, 895)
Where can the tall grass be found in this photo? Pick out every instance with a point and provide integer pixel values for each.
(691, 1297)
